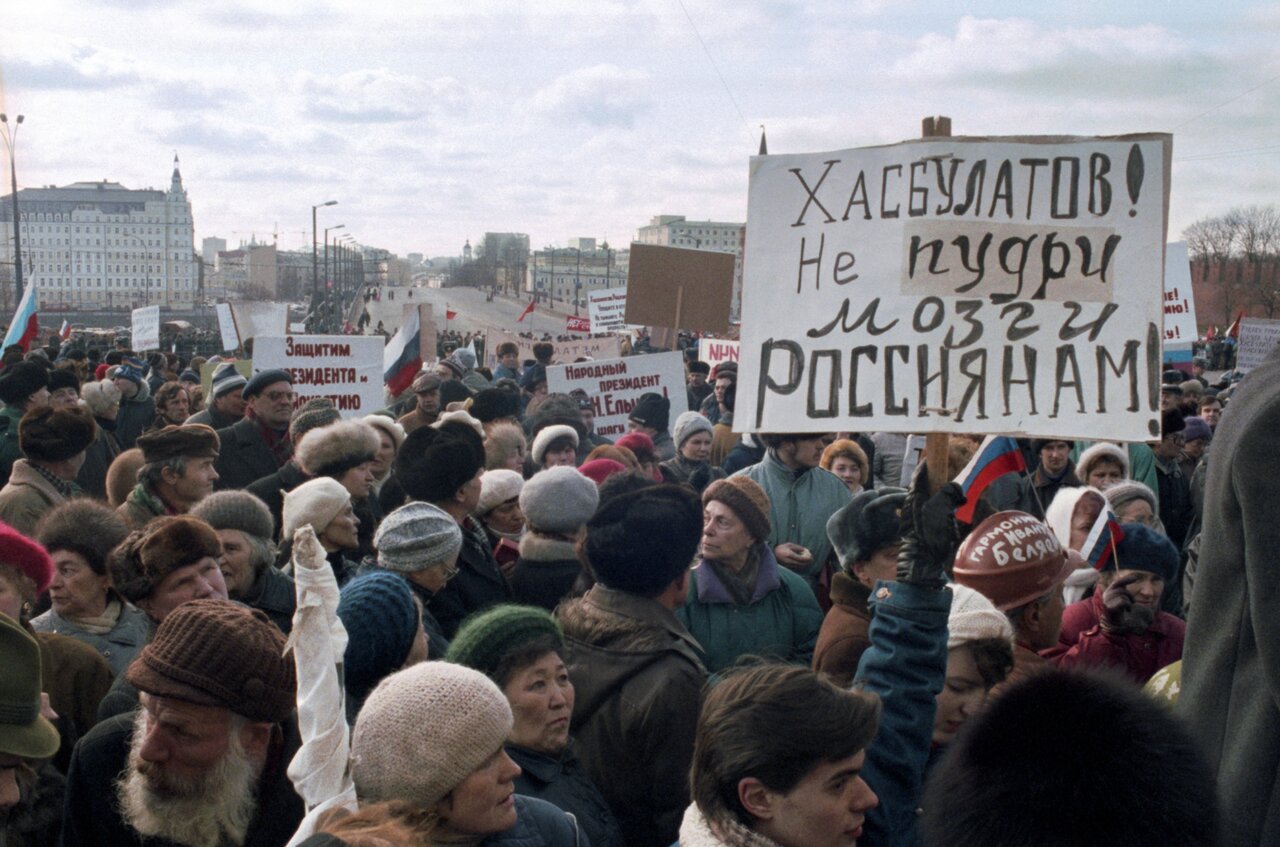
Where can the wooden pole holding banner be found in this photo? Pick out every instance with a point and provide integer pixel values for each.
(936, 444)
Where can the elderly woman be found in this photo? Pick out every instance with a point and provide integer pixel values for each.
(1134, 502)
(1102, 466)
(346, 451)
(103, 400)
(245, 527)
(390, 436)
(324, 505)
(847, 460)
(173, 405)
(519, 647)
(421, 542)
(499, 512)
(433, 736)
(504, 447)
(557, 503)
(79, 536)
(741, 601)
(692, 436)
(1071, 516)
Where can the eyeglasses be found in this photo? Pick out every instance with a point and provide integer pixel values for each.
(277, 396)
(450, 571)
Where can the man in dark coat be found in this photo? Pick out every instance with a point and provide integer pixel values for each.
(1231, 658)
(137, 406)
(271, 488)
(1174, 494)
(226, 398)
(258, 445)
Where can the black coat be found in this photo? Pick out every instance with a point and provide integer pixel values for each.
(478, 584)
(91, 815)
(272, 487)
(244, 458)
(545, 573)
(563, 783)
(275, 595)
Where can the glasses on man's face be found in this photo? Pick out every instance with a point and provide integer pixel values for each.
(279, 396)
(450, 571)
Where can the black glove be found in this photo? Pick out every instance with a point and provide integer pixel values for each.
(930, 534)
(1119, 613)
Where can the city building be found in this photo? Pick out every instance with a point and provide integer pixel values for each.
(718, 236)
(209, 250)
(567, 274)
(100, 245)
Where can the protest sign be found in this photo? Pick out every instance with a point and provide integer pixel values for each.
(572, 324)
(146, 329)
(995, 285)
(713, 351)
(603, 347)
(259, 317)
(614, 386)
(1179, 306)
(244, 366)
(227, 327)
(608, 309)
(345, 368)
(1258, 337)
(679, 289)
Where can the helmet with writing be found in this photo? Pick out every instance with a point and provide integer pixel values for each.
(1012, 559)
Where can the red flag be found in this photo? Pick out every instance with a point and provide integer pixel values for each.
(1209, 335)
(1233, 331)
(528, 310)
(450, 314)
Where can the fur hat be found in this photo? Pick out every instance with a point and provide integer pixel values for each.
(435, 462)
(990, 791)
(486, 638)
(262, 379)
(688, 423)
(598, 470)
(382, 423)
(866, 524)
(122, 476)
(417, 536)
(1146, 549)
(973, 618)
(381, 620)
(100, 395)
(26, 557)
(337, 448)
(496, 488)
(239, 510)
(461, 416)
(494, 403)
(558, 500)
(542, 442)
(747, 500)
(1099, 451)
(46, 434)
(453, 391)
(313, 414)
(195, 441)
(641, 541)
(424, 730)
(1171, 421)
(226, 378)
(63, 378)
(652, 410)
(84, 526)
(174, 542)
(315, 503)
(20, 380)
(729, 369)
(502, 442)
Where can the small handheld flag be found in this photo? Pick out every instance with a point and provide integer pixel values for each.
(995, 457)
(1100, 544)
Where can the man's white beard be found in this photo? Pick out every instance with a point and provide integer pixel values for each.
(206, 811)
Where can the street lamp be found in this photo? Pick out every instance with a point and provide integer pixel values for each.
(315, 259)
(11, 139)
(327, 281)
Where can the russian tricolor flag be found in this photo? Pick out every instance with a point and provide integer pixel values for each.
(997, 456)
(401, 359)
(1100, 544)
(26, 323)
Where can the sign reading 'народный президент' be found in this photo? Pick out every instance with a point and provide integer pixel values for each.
(1006, 285)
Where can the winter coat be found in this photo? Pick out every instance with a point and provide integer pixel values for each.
(10, 452)
(414, 420)
(638, 676)
(135, 415)
(663, 447)
(1026, 664)
(680, 469)
(695, 831)
(886, 468)
(1173, 493)
(477, 585)
(76, 679)
(272, 488)
(119, 647)
(800, 506)
(539, 824)
(212, 418)
(26, 497)
(905, 665)
(1139, 655)
(545, 572)
(244, 456)
(273, 593)
(91, 815)
(561, 781)
(744, 454)
(97, 458)
(843, 637)
(141, 507)
(780, 623)
(1036, 492)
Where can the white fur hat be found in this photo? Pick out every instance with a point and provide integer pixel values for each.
(549, 434)
(387, 425)
(974, 617)
(316, 503)
(1101, 450)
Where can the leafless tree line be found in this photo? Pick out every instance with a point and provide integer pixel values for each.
(1241, 249)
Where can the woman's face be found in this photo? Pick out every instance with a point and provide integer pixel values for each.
(1137, 510)
(560, 453)
(506, 517)
(484, 803)
(358, 480)
(341, 531)
(849, 471)
(386, 454)
(724, 536)
(1104, 474)
(826, 808)
(962, 694)
(236, 562)
(1086, 512)
(541, 698)
(436, 577)
(697, 447)
(76, 591)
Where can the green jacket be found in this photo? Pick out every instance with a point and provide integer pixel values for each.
(10, 452)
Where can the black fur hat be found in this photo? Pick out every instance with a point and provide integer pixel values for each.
(435, 462)
(868, 522)
(642, 541)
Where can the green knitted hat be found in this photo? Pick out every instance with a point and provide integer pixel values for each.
(487, 638)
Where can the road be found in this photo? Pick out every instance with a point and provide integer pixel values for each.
(473, 312)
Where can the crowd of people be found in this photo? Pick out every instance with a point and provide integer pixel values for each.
(230, 618)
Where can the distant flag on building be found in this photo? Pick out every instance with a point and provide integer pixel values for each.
(528, 310)
(450, 315)
(401, 359)
(1100, 544)
(1233, 331)
(26, 323)
(1210, 334)
(997, 456)
(65, 332)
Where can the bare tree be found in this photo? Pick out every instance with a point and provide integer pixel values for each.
(1241, 251)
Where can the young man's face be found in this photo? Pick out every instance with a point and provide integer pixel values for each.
(826, 808)
(1054, 456)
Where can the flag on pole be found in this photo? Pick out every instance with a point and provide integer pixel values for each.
(450, 314)
(65, 332)
(400, 358)
(26, 323)
(997, 456)
(1233, 331)
(1100, 544)
(528, 310)
(1212, 331)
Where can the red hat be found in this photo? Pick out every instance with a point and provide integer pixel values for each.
(100, 372)
(598, 470)
(26, 556)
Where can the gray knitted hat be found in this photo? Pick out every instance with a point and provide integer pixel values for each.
(417, 536)
(313, 414)
(236, 509)
(559, 499)
(687, 424)
(226, 378)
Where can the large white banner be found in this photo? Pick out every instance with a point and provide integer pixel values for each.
(345, 368)
(145, 328)
(607, 309)
(600, 347)
(260, 317)
(227, 327)
(614, 386)
(1179, 304)
(1009, 285)
(1258, 337)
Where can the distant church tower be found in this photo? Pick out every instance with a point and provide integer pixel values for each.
(466, 252)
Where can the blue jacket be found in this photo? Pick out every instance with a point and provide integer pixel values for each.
(905, 665)
(539, 824)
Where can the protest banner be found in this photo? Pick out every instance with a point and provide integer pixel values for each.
(713, 351)
(614, 386)
(1258, 337)
(227, 327)
(260, 317)
(572, 324)
(679, 289)
(345, 368)
(608, 309)
(145, 333)
(244, 366)
(1179, 306)
(994, 285)
(603, 347)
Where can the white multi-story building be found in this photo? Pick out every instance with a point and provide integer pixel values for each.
(719, 236)
(568, 274)
(100, 245)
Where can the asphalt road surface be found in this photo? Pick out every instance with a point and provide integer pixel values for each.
(473, 311)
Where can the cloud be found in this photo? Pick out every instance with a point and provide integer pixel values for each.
(224, 139)
(601, 95)
(70, 66)
(377, 95)
(180, 94)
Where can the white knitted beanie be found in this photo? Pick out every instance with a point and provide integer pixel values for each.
(1101, 450)
(496, 488)
(424, 730)
(974, 617)
(549, 434)
(316, 502)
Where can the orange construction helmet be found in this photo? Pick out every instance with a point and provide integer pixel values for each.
(1012, 558)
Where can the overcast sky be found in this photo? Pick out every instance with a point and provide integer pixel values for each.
(432, 122)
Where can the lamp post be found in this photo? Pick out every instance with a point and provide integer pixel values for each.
(577, 281)
(11, 139)
(327, 281)
(315, 259)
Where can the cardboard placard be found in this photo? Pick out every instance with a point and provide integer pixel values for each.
(227, 327)
(145, 333)
(608, 309)
(713, 351)
(980, 285)
(1258, 337)
(678, 288)
(614, 386)
(602, 347)
(1179, 305)
(260, 317)
(345, 368)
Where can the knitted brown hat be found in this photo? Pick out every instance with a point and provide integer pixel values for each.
(46, 434)
(191, 440)
(219, 653)
(748, 501)
(166, 545)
